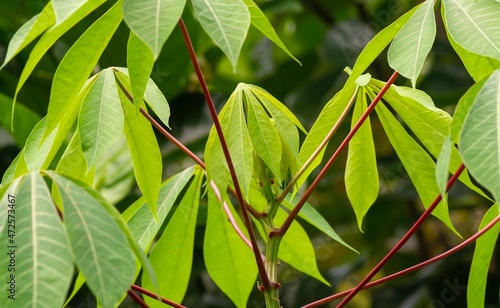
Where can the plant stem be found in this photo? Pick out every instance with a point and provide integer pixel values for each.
(137, 299)
(293, 214)
(403, 240)
(266, 283)
(322, 145)
(152, 295)
(446, 254)
(271, 295)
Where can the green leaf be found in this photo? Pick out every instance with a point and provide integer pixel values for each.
(44, 265)
(100, 122)
(65, 8)
(474, 25)
(260, 21)
(17, 168)
(172, 256)
(413, 42)
(145, 153)
(24, 119)
(100, 247)
(226, 22)
(309, 214)
(140, 219)
(153, 20)
(443, 167)
(38, 150)
(325, 121)
(417, 163)
(264, 137)
(297, 250)
(229, 262)
(361, 174)
(73, 164)
(140, 62)
(479, 139)
(50, 37)
(235, 131)
(483, 252)
(78, 63)
(29, 31)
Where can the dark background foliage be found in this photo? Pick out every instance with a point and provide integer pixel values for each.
(325, 36)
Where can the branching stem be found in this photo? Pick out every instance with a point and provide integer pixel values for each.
(152, 295)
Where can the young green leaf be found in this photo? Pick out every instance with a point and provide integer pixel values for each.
(103, 255)
(483, 252)
(73, 163)
(38, 150)
(172, 255)
(140, 62)
(260, 21)
(65, 8)
(100, 123)
(474, 25)
(361, 174)
(413, 42)
(43, 261)
(78, 63)
(479, 139)
(29, 31)
(226, 22)
(145, 152)
(153, 20)
(230, 263)
(17, 168)
(417, 163)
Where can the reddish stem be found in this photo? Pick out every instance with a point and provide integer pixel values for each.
(266, 283)
(137, 299)
(152, 295)
(293, 214)
(401, 242)
(410, 269)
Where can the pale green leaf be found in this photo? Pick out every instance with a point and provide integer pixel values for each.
(325, 121)
(172, 255)
(29, 31)
(260, 21)
(78, 63)
(480, 136)
(443, 167)
(312, 216)
(264, 137)
(101, 249)
(51, 36)
(229, 262)
(153, 20)
(141, 222)
(297, 249)
(140, 62)
(24, 119)
(65, 8)
(100, 122)
(413, 42)
(145, 152)
(226, 22)
(417, 163)
(474, 25)
(17, 168)
(38, 150)
(44, 265)
(361, 174)
(483, 252)
(73, 164)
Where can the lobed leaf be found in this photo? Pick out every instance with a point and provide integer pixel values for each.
(152, 21)
(226, 22)
(172, 255)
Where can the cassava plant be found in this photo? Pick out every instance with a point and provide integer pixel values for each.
(60, 228)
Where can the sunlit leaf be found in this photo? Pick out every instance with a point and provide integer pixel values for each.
(65, 8)
(417, 163)
(474, 25)
(226, 22)
(260, 21)
(73, 163)
(29, 31)
(140, 62)
(230, 263)
(153, 20)
(103, 255)
(361, 174)
(17, 168)
(443, 167)
(43, 261)
(480, 136)
(37, 150)
(172, 255)
(483, 252)
(413, 42)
